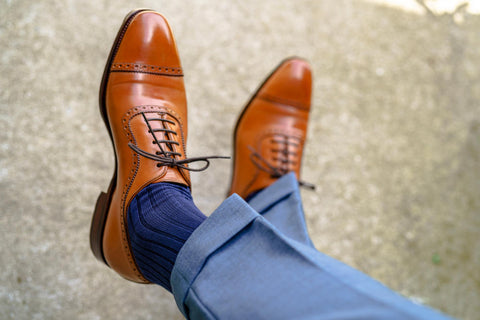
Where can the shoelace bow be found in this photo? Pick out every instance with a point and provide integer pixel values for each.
(167, 157)
(276, 172)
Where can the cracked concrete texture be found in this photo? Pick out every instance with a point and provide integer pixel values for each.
(394, 142)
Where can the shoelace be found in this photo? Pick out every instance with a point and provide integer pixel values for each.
(276, 172)
(167, 157)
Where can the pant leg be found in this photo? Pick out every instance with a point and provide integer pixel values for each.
(238, 265)
(281, 205)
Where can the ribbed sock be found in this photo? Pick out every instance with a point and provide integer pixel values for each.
(160, 219)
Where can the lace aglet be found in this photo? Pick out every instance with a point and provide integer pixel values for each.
(307, 185)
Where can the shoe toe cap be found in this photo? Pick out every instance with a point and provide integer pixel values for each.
(148, 41)
(290, 84)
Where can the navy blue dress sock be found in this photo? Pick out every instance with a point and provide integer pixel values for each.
(160, 219)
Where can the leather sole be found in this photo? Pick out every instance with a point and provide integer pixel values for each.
(104, 199)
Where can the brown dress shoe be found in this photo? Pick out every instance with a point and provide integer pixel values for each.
(270, 133)
(143, 104)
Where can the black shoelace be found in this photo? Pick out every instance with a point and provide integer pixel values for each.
(166, 157)
(283, 157)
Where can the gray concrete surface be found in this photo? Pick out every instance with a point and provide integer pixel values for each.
(394, 142)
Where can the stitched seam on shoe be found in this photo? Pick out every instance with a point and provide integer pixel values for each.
(146, 68)
(125, 191)
(285, 102)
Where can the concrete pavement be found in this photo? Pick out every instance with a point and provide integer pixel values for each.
(394, 142)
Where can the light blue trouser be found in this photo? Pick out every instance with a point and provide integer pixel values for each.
(256, 261)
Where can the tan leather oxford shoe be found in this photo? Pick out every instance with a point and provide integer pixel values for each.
(143, 104)
(270, 133)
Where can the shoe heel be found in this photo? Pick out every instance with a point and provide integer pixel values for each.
(98, 225)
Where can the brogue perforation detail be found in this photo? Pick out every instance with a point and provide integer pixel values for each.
(146, 68)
